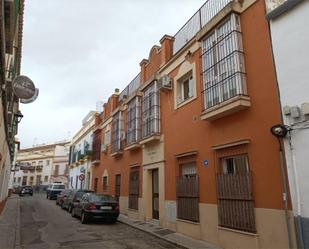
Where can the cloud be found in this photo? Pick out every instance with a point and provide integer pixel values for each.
(77, 52)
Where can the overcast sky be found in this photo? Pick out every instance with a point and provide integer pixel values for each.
(77, 52)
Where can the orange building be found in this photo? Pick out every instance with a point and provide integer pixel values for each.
(187, 143)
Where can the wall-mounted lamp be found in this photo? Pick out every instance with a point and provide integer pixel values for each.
(279, 130)
(18, 116)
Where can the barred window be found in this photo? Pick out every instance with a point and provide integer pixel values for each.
(234, 193)
(187, 191)
(223, 63)
(134, 121)
(116, 132)
(134, 188)
(105, 184)
(151, 111)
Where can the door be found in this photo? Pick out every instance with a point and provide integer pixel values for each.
(117, 187)
(155, 194)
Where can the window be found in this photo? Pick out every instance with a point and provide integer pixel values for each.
(33, 163)
(234, 191)
(76, 182)
(187, 190)
(105, 184)
(31, 180)
(134, 188)
(45, 178)
(117, 186)
(19, 180)
(107, 137)
(116, 133)
(134, 121)
(185, 87)
(40, 163)
(14, 180)
(95, 185)
(47, 162)
(150, 108)
(235, 165)
(24, 180)
(56, 172)
(223, 63)
(38, 179)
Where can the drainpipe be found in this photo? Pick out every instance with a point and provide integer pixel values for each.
(299, 228)
(285, 194)
(280, 131)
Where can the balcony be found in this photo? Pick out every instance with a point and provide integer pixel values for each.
(39, 168)
(225, 97)
(208, 11)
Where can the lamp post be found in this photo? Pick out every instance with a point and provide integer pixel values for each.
(280, 131)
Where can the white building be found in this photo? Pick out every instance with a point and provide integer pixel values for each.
(289, 24)
(80, 154)
(42, 165)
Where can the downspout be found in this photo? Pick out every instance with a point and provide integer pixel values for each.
(285, 194)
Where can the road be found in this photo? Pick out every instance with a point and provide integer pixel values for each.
(45, 225)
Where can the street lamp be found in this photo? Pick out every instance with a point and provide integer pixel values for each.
(18, 116)
(280, 131)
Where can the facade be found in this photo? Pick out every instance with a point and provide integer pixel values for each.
(11, 27)
(187, 144)
(290, 37)
(80, 155)
(41, 165)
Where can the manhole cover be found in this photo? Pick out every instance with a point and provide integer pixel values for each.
(164, 232)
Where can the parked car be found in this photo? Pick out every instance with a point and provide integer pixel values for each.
(53, 190)
(60, 197)
(26, 190)
(96, 206)
(73, 198)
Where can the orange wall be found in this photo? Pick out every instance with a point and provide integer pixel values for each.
(184, 130)
(253, 123)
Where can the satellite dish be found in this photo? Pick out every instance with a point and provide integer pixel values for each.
(24, 89)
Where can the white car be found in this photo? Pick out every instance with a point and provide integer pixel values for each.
(54, 189)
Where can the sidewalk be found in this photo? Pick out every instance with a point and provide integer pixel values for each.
(166, 234)
(10, 224)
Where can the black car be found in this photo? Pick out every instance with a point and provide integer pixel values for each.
(73, 197)
(26, 190)
(96, 206)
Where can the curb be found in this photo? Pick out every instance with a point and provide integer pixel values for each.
(17, 229)
(155, 235)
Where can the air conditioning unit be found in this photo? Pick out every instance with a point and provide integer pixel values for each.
(165, 82)
(103, 148)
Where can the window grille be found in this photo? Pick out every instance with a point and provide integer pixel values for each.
(105, 184)
(235, 197)
(134, 189)
(223, 68)
(187, 189)
(151, 111)
(116, 133)
(96, 145)
(134, 121)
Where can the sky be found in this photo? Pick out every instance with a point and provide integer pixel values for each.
(77, 52)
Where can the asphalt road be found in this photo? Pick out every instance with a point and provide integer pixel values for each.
(45, 225)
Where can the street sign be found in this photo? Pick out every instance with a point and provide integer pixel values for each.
(205, 162)
(81, 177)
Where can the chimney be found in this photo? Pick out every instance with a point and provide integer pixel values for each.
(143, 70)
(166, 48)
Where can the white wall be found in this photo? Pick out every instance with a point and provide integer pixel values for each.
(290, 38)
